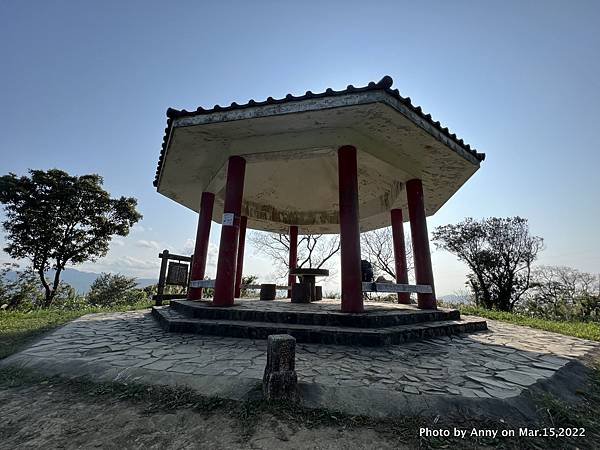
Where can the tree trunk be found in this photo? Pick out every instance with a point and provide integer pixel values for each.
(56, 283)
(49, 292)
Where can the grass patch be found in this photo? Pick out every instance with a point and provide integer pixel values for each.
(247, 414)
(585, 330)
(19, 328)
(400, 432)
(584, 415)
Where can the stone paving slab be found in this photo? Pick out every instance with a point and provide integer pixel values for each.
(496, 364)
(322, 313)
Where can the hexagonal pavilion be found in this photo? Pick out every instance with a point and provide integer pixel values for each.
(335, 162)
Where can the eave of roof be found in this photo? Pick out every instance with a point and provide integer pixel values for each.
(385, 84)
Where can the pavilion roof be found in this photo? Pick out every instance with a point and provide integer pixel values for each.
(384, 85)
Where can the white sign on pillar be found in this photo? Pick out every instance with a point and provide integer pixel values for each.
(228, 219)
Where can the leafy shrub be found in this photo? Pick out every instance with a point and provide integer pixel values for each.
(67, 298)
(249, 279)
(112, 290)
(22, 292)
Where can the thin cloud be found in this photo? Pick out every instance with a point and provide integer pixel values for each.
(118, 241)
(147, 244)
(137, 228)
(188, 247)
(127, 265)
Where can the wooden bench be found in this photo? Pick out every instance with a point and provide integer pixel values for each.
(366, 287)
(266, 290)
(202, 284)
(211, 284)
(258, 286)
(395, 288)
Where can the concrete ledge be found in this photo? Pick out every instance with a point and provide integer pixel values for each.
(564, 385)
(223, 386)
(172, 320)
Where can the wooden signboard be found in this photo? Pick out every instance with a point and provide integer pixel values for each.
(177, 274)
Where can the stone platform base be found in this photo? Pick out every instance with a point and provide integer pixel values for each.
(494, 374)
(321, 322)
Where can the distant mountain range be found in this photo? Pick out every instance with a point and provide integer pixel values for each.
(81, 281)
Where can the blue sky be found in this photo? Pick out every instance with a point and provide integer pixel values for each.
(84, 87)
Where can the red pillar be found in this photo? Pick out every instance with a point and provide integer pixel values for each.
(207, 201)
(293, 256)
(399, 253)
(352, 300)
(234, 190)
(240, 256)
(420, 242)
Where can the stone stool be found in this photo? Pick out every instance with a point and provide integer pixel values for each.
(280, 379)
(318, 293)
(267, 291)
(302, 292)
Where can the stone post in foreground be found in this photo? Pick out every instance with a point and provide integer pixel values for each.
(280, 379)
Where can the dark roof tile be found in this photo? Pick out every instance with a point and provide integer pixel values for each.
(384, 84)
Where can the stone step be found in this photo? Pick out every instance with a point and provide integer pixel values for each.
(311, 315)
(174, 321)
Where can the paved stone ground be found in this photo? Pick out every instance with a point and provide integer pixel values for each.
(322, 306)
(498, 363)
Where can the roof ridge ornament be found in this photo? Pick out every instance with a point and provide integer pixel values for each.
(386, 82)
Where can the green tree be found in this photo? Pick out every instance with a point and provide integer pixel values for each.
(563, 293)
(499, 252)
(54, 219)
(111, 290)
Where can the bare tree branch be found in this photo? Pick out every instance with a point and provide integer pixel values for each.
(377, 247)
(314, 250)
